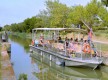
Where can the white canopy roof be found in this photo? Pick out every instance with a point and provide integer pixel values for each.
(61, 29)
(49, 28)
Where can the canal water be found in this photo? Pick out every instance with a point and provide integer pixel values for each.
(37, 67)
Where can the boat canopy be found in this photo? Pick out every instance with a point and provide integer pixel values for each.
(61, 29)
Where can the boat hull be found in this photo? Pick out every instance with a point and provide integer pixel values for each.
(79, 64)
(65, 61)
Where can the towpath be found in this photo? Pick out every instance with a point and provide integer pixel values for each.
(7, 69)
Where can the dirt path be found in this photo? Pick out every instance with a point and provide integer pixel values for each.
(102, 42)
(7, 69)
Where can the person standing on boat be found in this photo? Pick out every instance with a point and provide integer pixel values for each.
(90, 35)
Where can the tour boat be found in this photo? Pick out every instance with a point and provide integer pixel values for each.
(65, 50)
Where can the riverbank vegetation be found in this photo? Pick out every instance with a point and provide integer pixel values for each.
(22, 40)
(56, 14)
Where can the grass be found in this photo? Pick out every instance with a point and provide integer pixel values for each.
(104, 47)
(101, 46)
(102, 35)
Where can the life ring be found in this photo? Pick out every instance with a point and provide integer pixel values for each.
(86, 48)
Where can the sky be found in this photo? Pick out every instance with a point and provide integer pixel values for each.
(15, 11)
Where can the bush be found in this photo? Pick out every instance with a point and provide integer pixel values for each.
(22, 77)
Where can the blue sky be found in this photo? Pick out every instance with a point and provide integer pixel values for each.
(15, 11)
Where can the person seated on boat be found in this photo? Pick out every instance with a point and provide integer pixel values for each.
(86, 47)
(76, 40)
(36, 42)
(67, 42)
(71, 39)
(71, 47)
(32, 43)
(94, 51)
(66, 38)
(60, 40)
(41, 40)
(60, 46)
(81, 40)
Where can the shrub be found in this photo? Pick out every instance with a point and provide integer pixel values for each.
(22, 77)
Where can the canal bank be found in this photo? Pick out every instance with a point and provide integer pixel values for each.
(7, 72)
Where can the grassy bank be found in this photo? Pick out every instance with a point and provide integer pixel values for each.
(102, 35)
(104, 47)
(22, 35)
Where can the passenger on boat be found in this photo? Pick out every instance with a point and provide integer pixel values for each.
(66, 38)
(71, 39)
(94, 52)
(81, 40)
(86, 47)
(76, 40)
(90, 32)
(71, 47)
(41, 41)
(36, 43)
(32, 43)
(60, 40)
(67, 41)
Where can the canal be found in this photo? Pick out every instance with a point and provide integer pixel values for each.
(37, 67)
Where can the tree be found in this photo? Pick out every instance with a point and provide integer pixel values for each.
(58, 13)
(105, 2)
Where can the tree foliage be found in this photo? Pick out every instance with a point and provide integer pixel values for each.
(56, 14)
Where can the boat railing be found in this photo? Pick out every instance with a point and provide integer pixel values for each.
(62, 49)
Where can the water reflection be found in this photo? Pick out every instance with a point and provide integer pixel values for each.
(47, 70)
(104, 70)
(21, 61)
(22, 41)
